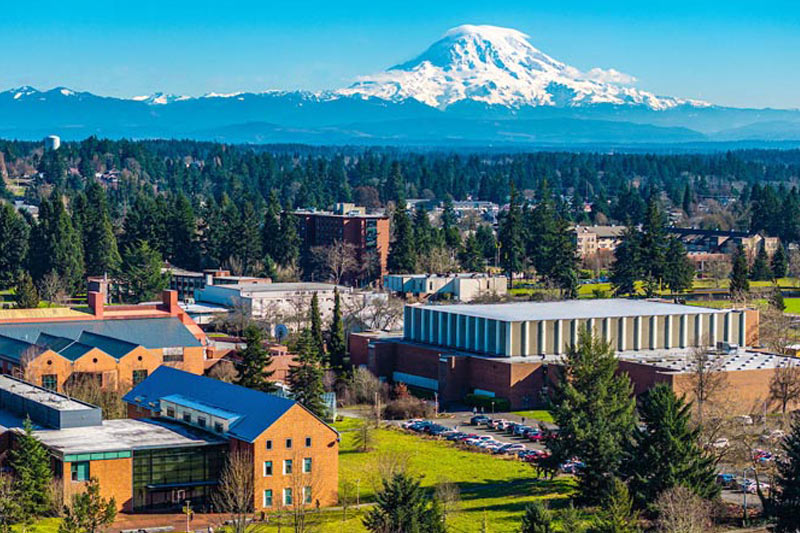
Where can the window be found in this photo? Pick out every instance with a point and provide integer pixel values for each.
(287, 467)
(269, 444)
(307, 465)
(287, 496)
(307, 495)
(308, 442)
(267, 468)
(171, 412)
(201, 421)
(139, 376)
(50, 381)
(187, 417)
(267, 498)
(80, 471)
(218, 427)
(288, 444)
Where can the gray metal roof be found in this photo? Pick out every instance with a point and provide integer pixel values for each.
(152, 333)
(124, 435)
(569, 309)
(281, 287)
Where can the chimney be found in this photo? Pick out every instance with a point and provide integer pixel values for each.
(169, 300)
(96, 301)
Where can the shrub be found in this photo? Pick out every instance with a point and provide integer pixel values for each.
(408, 407)
(479, 400)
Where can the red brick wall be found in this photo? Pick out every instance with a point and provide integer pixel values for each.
(115, 477)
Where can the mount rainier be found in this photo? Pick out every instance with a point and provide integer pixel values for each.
(477, 85)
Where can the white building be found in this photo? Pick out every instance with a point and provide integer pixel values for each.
(52, 142)
(459, 287)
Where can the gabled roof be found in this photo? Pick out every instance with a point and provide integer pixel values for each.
(14, 349)
(116, 348)
(53, 342)
(256, 410)
(152, 333)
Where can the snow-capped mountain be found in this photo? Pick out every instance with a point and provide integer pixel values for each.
(499, 66)
(477, 86)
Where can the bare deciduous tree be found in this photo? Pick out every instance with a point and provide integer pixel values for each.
(682, 511)
(718, 270)
(707, 378)
(440, 259)
(784, 386)
(775, 330)
(449, 496)
(305, 483)
(374, 313)
(335, 262)
(51, 289)
(234, 496)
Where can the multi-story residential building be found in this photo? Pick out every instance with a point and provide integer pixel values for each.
(591, 240)
(181, 431)
(462, 287)
(114, 345)
(717, 241)
(368, 234)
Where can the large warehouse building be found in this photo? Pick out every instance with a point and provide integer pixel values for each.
(504, 350)
(549, 328)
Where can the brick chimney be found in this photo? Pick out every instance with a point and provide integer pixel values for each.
(96, 301)
(169, 300)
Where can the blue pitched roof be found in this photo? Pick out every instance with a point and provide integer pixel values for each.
(75, 351)
(53, 342)
(257, 411)
(13, 349)
(114, 347)
(152, 333)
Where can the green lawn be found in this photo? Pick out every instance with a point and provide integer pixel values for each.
(493, 485)
(540, 414)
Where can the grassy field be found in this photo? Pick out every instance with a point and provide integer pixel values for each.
(492, 486)
(541, 415)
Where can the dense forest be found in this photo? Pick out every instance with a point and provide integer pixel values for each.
(123, 207)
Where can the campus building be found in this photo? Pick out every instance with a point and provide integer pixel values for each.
(505, 350)
(461, 287)
(114, 345)
(368, 234)
(174, 447)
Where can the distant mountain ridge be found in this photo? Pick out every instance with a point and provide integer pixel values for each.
(477, 85)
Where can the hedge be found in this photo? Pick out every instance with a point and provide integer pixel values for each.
(479, 400)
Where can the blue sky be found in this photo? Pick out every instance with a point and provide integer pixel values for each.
(744, 54)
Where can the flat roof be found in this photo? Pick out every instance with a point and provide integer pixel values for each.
(41, 396)
(281, 287)
(124, 435)
(571, 309)
(681, 361)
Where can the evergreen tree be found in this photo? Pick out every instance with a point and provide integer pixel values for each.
(775, 299)
(271, 229)
(185, 252)
(100, 252)
(471, 255)
(55, 246)
(423, 232)
(653, 247)
(141, 273)
(686, 203)
(452, 238)
(305, 378)
(564, 271)
(288, 251)
(13, 244)
(25, 294)
(761, 270)
(780, 264)
(593, 407)
(403, 506)
(315, 319)
(617, 514)
(145, 222)
(254, 370)
(667, 452)
(625, 271)
(787, 497)
(739, 286)
(88, 512)
(402, 253)
(510, 237)
(337, 345)
(30, 462)
(537, 519)
(248, 239)
(679, 271)
(487, 242)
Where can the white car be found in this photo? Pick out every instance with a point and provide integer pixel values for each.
(720, 444)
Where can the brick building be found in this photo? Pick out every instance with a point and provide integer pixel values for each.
(369, 234)
(174, 447)
(509, 350)
(116, 345)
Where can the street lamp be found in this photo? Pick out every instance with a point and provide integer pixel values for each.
(492, 407)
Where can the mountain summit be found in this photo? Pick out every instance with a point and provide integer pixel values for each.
(499, 66)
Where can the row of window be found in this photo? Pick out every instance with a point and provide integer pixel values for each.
(287, 496)
(201, 420)
(287, 467)
(50, 381)
(289, 443)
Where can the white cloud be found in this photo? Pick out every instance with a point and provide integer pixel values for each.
(610, 76)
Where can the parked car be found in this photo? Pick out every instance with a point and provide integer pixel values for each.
(408, 423)
(720, 443)
(744, 420)
(535, 435)
(478, 420)
(727, 481)
(520, 430)
(511, 448)
(456, 435)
